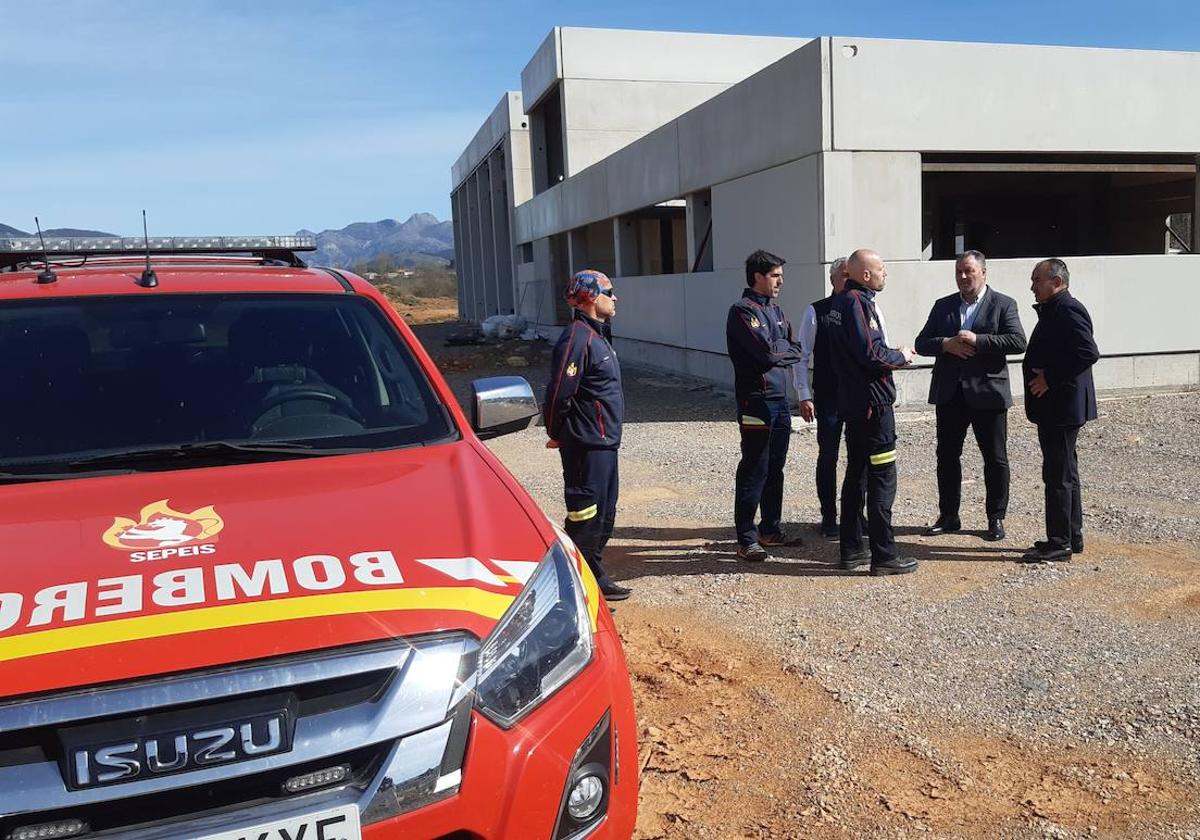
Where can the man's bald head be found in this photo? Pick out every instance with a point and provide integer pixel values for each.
(867, 268)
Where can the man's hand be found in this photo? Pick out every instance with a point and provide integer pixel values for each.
(967, 336)
(1038, 385)
(552, 444)
(908, 353)
(806, 410)
(958, 346)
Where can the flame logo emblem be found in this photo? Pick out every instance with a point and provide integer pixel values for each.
(162, 527)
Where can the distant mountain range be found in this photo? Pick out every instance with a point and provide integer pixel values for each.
(421, 240)
(60, 233)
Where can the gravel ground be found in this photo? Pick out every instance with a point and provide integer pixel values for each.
(1100, 653)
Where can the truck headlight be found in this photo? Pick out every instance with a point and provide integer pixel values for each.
(541, 642)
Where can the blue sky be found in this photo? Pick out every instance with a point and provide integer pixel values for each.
(253, 117)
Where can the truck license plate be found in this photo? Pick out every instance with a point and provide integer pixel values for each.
(332, 824)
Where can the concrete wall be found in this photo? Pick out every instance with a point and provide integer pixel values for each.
(912, 88)
(618, 85)
(778, 209)
(677, 321)
(871, 199)
(773, 117)
(489, 177)
(602, 116)
(632, 55)
(507, 117)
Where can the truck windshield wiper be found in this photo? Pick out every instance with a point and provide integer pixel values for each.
(217, 450)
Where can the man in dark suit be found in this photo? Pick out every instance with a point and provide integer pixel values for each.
(1059, 398)
(971, 333)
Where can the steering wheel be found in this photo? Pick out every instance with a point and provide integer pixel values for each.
(338, 400)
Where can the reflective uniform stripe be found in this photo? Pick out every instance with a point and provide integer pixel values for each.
(883, 458)
(581, 515)
(748, 420)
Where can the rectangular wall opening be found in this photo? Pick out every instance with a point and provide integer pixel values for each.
(1018, 206)
(653, 240)
(546, 138)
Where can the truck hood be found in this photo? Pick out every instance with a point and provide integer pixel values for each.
(105, 579)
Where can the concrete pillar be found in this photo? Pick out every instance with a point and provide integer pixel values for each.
(625, 236)
(467, 202)
(1196, 210)
(505, 251)
(699, 217)
(487, 233)
(477, 276)
(456, 212)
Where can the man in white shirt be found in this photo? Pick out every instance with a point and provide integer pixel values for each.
(820, 399)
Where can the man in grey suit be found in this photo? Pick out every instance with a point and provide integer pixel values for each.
(970, 333)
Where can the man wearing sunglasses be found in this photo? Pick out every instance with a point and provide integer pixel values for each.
(583, 410)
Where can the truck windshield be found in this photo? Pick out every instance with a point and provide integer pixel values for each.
(104, 383)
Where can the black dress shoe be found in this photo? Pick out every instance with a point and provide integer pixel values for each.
(1076, 547)
(944, 525)
(895, 566)
(852, 561)
(1046, 553)
(615, 592)
(995, 530)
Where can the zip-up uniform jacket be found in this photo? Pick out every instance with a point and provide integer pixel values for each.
(584, 401)
(761, 347)
(862, 362)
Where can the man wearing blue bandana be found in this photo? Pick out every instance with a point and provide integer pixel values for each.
(583, 413)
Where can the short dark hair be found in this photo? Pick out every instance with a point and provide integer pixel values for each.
(1057, 268)
(975, 255)
(761, 262)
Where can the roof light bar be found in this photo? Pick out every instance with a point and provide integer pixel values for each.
(175, 244)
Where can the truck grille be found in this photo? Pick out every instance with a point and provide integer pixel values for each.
(360, 708)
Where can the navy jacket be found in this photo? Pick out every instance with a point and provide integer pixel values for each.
(862, 362)
(759, 338)
(1062, 345)
(824, 380)
(584, 401)
(983, 378)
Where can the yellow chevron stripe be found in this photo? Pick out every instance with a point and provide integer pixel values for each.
(458, 598)
(882, 458)
(748, 420)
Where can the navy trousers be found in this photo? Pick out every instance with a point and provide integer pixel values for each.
(590, 486)
(1060, 474)
(766, 429)
(829, 441)
(870, 471)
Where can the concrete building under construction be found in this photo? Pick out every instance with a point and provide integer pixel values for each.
(663, 159)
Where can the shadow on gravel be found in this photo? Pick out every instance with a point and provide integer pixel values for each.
(666, 552)
(707, 551)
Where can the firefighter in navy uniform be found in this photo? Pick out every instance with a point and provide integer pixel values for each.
(863, 364)
(583, 410)
(762, 349)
